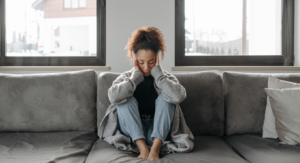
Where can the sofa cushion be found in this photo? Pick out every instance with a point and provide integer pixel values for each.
(286, 109)
(207, 149)
(203, 107)
(58, 147)
(47, 102)
(246, 100)
(269, 130)
(256, 149)
(105, 80)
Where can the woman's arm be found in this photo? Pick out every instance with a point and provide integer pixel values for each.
(124, 86)
(172, 90)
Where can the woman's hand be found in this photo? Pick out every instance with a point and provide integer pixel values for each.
(157, 60)
(136, 66)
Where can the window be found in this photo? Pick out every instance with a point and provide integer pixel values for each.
(74, 4)
(42, 33)
(67, 3)
(82, 3)
(234, 32)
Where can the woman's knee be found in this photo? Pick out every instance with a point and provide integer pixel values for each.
(128, 108)
(161, 101)
(131, 101)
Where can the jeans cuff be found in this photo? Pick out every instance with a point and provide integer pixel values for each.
(159, 137)
(137, 137)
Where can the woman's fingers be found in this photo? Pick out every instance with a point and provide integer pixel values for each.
(135, 64)
(134, 60)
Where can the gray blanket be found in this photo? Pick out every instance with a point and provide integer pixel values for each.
(182, 139)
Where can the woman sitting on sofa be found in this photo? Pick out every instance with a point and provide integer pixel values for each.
(146, 98)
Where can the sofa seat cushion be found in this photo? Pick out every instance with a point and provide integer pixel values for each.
(256, 149)
(207, 149)
(58, 147)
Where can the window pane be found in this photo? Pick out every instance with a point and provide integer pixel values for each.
(215, 27)
(74, 3)
(31, 31)
(82, 3)
(67, 3)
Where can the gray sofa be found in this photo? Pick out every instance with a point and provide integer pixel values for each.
(53, 117)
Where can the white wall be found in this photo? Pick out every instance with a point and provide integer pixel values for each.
(123, 17)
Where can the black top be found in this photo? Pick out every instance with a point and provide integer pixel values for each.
(146, 95)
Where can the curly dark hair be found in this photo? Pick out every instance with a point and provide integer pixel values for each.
(146, 38)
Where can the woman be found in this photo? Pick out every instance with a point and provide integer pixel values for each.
(146, 100)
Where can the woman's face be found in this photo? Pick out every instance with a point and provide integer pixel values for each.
(146, 60)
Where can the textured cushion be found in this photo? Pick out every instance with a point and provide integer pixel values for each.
(285, 104)
(256, 149)
(105, 80)
(269, 130)
(246, 100)
(58, 147)
(46, 102)
(208, 149)
(203, 108)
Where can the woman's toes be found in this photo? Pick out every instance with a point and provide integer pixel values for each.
(153, 156)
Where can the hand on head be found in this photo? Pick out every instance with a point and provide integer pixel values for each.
(136, 66)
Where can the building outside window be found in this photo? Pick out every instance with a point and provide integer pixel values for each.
(44, 33)
(40, 28)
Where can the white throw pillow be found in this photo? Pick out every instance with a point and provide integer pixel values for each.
(269, 130)
(285, 104)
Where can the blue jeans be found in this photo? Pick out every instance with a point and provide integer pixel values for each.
(134, 127)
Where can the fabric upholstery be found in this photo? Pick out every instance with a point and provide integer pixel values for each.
(64, 101)
(245, 100)
(269, 130)
(208, 149)
(203, 107)
(256, 149)
(54, 147)
(285, 105)
(105, 80)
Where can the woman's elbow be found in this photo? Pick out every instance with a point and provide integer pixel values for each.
(180, 97)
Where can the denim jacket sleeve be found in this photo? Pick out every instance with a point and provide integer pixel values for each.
(171, 89)
(124, 86)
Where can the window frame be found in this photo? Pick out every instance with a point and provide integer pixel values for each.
(98, 60)
(287, 36)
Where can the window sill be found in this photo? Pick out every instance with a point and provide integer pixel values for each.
(52, 68)
(199, 68)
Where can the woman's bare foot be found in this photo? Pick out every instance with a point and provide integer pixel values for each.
(155, 150)
(144, 150)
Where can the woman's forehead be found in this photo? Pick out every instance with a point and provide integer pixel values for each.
(145, 55)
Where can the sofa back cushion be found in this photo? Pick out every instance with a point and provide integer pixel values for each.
(246, 100)
(47, 102)
(203, 107)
